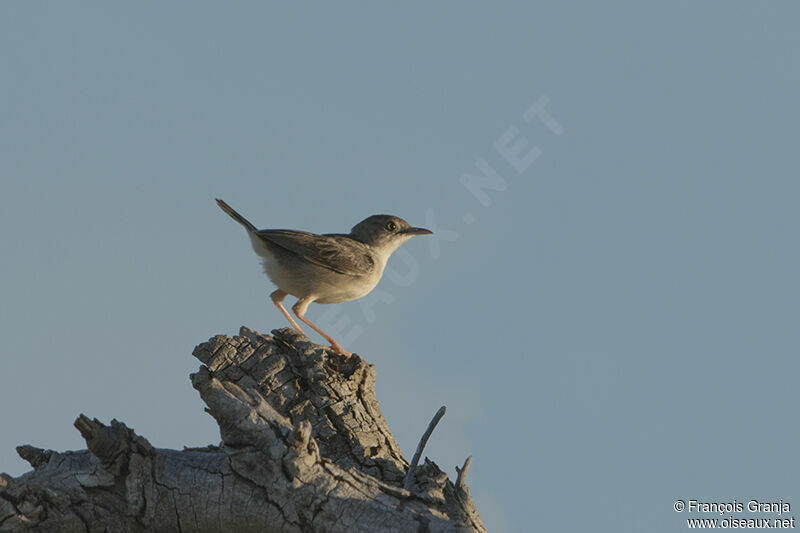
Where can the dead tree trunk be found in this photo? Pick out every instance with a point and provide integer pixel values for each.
(304, 448)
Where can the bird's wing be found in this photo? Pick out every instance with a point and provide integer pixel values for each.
(337, 253)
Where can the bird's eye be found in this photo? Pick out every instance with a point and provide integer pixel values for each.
(391, 226)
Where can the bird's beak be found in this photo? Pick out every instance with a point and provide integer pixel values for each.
(417, 231)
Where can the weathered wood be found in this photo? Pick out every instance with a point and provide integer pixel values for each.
(304, 448)
(409, 479)
(462, 473)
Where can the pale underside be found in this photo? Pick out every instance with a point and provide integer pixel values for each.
(316, 270)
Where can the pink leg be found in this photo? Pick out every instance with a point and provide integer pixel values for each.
(277, 297)
(300, 310)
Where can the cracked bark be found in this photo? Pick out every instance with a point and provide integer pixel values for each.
(304, 448)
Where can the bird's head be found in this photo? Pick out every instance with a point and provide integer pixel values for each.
(385, 233)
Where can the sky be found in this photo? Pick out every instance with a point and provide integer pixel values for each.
(609, 307)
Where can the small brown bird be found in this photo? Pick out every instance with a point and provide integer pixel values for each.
(329, 268)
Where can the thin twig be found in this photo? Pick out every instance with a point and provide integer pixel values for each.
(462, 473)
(421, 446)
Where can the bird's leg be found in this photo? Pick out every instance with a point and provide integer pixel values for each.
(300, 310)
(277, 297)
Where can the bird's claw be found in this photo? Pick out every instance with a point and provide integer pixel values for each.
(338, 349)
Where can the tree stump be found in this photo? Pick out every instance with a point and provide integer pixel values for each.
(304, 448)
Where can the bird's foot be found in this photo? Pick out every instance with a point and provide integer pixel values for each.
(338, 349)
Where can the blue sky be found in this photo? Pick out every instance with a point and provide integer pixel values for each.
(612, 325)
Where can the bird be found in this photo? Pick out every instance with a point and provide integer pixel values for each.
(329, 268)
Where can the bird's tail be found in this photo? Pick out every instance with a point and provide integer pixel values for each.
(235, 216)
